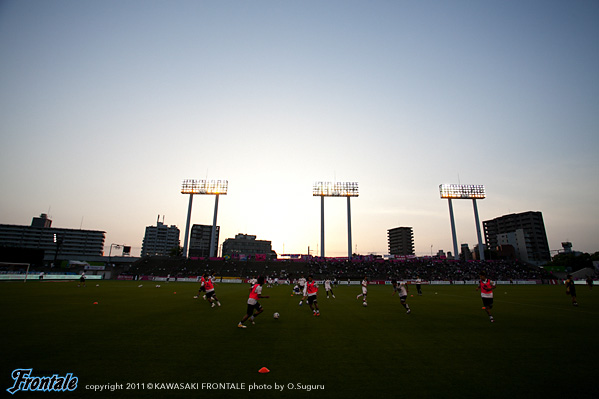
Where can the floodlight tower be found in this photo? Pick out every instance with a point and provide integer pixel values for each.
(329, 189)
(209, 187)
(464, 191)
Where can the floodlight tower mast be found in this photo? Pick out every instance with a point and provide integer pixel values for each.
(186, 239)
(322, 226)
(481, 250)
(212, 187)
(213, 235)
(328, 189)
(349, 253)
(463, 191)
(456, 255)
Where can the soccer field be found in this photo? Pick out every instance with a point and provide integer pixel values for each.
(147, 337)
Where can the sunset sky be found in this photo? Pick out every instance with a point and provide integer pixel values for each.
(107, 106)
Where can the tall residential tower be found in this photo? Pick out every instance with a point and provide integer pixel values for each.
(523, 231)
(160, 240)
(401, 241)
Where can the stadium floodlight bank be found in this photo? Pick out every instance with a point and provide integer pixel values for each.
(335, 189)
(208, 187)
(214, 187)
(464, 191)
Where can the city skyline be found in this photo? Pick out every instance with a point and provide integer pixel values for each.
(106, 107)
(314, 252)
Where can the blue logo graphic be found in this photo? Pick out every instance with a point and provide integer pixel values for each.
(25, 382)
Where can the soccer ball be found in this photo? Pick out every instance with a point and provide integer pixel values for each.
(276, 315)
(364, 304)
(157, 285)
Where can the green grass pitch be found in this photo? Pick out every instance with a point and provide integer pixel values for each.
(539, 346)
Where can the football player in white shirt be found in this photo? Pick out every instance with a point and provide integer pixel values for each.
(402, 290)
(81, 279)
(301, 282)
(302, 287)
(327, 287)
(419, 285)
(364, 290)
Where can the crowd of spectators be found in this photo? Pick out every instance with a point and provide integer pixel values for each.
(430, 269)
(424, 268)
